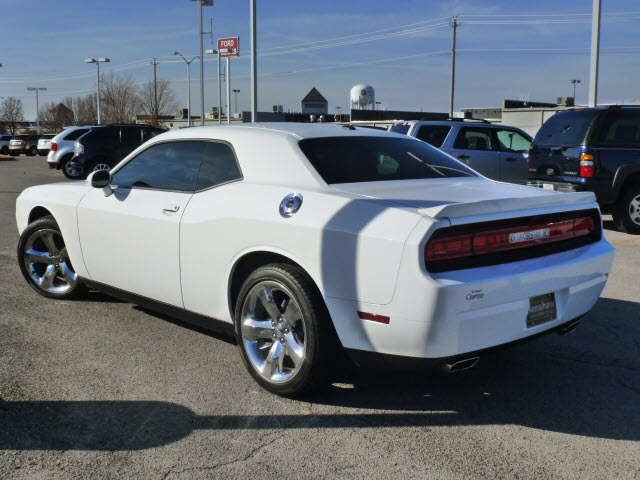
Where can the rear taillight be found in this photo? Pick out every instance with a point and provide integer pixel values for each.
(587, 165)
(54, 147)
(79, 149)
(447, 247)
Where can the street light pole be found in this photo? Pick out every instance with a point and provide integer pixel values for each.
(254, 63)
(201, 4)
(595, 53)
(188, 62)
(228, 89)
(575, 81)
(455, 26)
(98, 61)
(216, 52)
(37, 89)
(236, 92)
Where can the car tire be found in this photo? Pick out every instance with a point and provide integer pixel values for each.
(4, 150)
(284, 332)
(33, 151)
(66, 169)
(100, 162)
(44, 261)
(626, 212)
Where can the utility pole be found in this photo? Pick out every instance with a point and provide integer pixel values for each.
(254, 63)
(595, 53)
(455, 26)
(156, 112)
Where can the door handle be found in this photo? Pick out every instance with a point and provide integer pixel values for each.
(171, 208)
(463, 157)
(511, 159)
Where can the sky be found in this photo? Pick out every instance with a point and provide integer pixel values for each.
(507, 49)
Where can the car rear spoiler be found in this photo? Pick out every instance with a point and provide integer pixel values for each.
(455, 210)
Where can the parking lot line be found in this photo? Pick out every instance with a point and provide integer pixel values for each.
(620, 242)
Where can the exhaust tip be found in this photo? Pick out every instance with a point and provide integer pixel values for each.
(566, 329)
(461, 365)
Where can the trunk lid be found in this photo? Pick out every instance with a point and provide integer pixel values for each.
(462, 197)
(552, 161)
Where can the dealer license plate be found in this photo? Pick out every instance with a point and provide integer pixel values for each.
(542, 309)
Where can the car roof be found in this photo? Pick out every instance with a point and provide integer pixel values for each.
(297, 130)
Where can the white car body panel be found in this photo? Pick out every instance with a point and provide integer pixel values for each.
(362, 244)
(65, 147)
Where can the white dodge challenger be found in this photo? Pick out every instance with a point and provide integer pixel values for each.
(309, 240)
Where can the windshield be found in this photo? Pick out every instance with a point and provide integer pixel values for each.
(374, 159)
(566, 128)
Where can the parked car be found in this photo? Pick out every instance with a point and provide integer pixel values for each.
(44, 144)
(103, 147)
(309, 239)
(4, 144)
(63, 147)
(27, 144)
(496, 151)
(594, 149)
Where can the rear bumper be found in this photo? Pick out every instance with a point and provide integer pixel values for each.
(602, 187)
(383, 362)
(455, 313)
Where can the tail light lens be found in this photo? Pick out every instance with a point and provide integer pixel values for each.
(452, 244)
(587, 165)
(54, 147)
(79, 149)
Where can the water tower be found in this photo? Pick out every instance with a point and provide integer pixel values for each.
(363, 97)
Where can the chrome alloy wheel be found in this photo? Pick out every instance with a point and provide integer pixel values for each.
(634, 210)
(273, 331)
(71, 172)
(47, 262)
(101, 166)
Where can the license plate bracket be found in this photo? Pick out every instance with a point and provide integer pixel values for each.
(542, 309)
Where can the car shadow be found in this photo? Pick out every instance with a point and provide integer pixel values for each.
(582, 384)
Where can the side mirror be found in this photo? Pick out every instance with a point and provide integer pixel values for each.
(102, 179)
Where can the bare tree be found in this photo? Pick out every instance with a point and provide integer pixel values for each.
(84, 109)
(119, 99)
(11, 112)
(157, 100)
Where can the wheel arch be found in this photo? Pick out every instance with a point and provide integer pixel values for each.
(36, 213)
(247, 262)
(625, 176)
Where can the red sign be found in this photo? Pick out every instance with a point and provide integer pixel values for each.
(229, 47)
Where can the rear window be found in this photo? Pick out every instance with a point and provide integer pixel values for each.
(566, 128)
(76, 134)
(402, 128)
(374, 159)
(433, 134)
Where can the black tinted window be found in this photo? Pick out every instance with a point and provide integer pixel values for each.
(474, 138)
(104, 135)
(372, 159)
(620, 128)
(433, 134)
(566, 128)
(149, 133)
(76, 134)
(218, 166)
(131, 136)
(168, 166)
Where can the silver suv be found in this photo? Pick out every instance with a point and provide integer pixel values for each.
(498, 152)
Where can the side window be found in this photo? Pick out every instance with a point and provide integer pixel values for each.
(620, 128)
(219, 166)
(131, 137)
(511, 141)
(76, 134)
(474, 138)
(167, 166)
(149, 133)
(433, 134)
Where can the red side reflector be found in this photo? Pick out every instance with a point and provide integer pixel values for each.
(374, 318)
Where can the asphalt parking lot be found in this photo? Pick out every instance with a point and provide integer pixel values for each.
(104, 389)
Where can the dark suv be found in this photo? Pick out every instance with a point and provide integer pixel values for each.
(596, 149)
(103, 147)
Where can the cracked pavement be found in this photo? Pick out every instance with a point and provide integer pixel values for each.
(103, 389)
